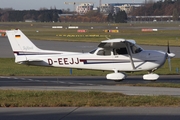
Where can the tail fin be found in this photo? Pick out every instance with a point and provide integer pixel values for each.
(20, 44)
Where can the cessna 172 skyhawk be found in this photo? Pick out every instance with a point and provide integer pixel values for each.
(117, 55)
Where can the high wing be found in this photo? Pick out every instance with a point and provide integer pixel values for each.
(115, 43)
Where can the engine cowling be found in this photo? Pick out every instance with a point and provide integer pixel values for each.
(115, 76)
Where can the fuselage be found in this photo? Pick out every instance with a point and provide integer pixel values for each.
(144, 60)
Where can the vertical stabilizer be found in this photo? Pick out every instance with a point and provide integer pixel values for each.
(20, 44)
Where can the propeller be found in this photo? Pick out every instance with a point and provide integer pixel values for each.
(169, 55)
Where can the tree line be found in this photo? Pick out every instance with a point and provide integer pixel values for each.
(120, 17)
(45, 15)
(95, 16)
(54, 15)
(159, 8)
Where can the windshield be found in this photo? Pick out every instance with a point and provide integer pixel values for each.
(136, 49)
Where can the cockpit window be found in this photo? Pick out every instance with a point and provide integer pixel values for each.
(120, 51)
(104, 52)
(135, 49)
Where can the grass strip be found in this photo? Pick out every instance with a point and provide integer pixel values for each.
(21, 98)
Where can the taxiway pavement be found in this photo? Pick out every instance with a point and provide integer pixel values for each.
(90, 84)
(91, 113)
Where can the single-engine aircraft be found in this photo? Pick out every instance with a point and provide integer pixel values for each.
(116, 55)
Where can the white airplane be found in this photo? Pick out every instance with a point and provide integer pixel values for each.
(117, 55)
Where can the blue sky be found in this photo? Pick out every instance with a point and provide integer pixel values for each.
(59, 4)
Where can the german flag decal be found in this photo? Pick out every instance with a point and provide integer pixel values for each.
(17, 36)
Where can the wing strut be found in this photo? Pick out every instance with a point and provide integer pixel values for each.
(130, 55)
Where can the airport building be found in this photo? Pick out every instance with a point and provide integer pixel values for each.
(84, 8)
(127, 8)
(106, 8)
(115, 7)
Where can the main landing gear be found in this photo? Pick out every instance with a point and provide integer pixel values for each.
(117, 76)
(151, 76)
